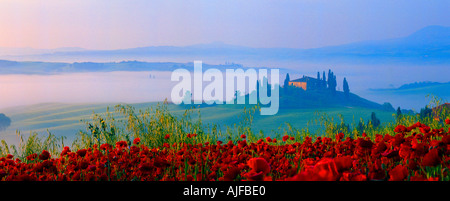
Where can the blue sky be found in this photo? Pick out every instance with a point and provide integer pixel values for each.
(114, 24)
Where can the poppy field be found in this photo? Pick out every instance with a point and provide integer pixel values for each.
(414, 153)
(154, 145)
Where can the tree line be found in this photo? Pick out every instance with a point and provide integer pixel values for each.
(330, 81)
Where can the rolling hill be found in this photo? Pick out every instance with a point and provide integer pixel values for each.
(64, 119)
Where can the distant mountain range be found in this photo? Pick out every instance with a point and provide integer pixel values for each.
(430, 45)
(414, 86)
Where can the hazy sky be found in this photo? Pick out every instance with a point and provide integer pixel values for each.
(113, 24)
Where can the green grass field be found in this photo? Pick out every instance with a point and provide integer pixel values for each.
(65, 119)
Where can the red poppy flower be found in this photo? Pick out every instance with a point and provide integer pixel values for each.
(81, 152)
(380, 147)
(38, 167)
(255, 176)
(136, 141)
(2, 174)
(446, 139)
(400, 129)
(350, 176)
(431, 158)
(231, 174)
(161, 163)
(167, 136)
(145, 167)
(420, 148)
(104, 177)
(32, 157)
(377, 175)
(390, 153)
(44, 155)
(91, 168)
(105, 146)
(339, 136)
(398, 139)
(367, 144)
(412, 164)
(84, 164)
(325, 170)
(65, 151)
(425, 129)
(243, 136)
(25, 177)
(242, 143)
(405, 151)
(436, 143)
(259, 165)
(343, 163)
(399, 173)
(418, 178)
(447, 121)
(285, 138)
(306, 175)
(189, 178)
(121, 144)
(387, 137)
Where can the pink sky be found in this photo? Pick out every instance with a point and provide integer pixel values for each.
(114, 24)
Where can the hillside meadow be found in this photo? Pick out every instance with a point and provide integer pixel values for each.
(68, 119)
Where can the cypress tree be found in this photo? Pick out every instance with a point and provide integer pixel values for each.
(346, 88)
(374, 120)
(334, 83)
(331, 81)
(399, 112)
(286, 83)
(330, 77)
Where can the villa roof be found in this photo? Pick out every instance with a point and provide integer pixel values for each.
(305, 79)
